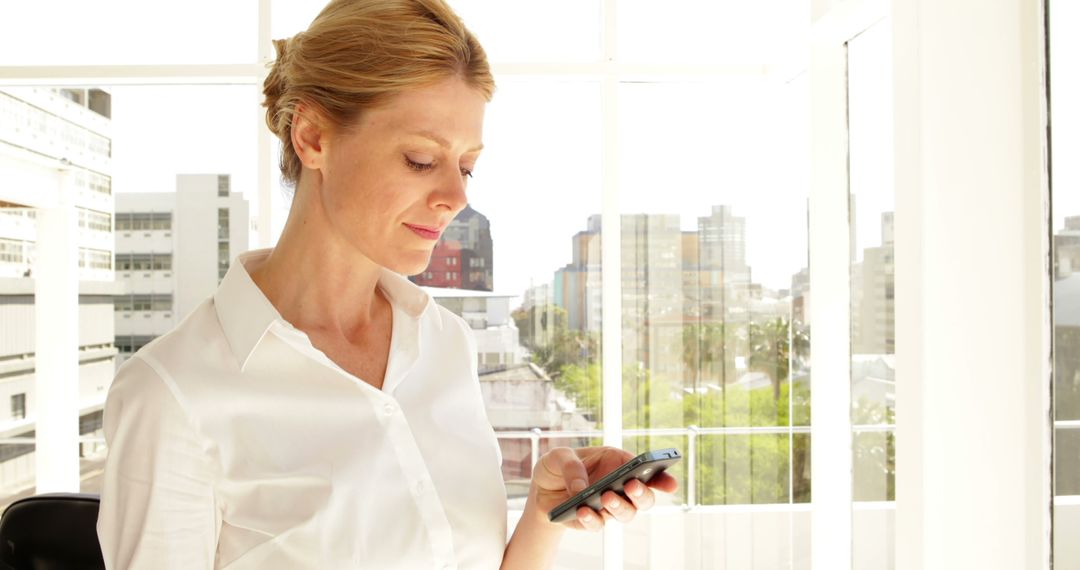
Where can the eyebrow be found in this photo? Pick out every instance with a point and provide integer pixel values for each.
(441, 141)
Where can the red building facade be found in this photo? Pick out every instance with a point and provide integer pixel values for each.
(445, 268)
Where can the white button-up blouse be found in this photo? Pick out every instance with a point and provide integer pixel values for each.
(235, 443)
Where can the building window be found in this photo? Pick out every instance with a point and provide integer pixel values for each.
(223, 185)
(163, 303)
(18, 406)
(142, 221)
(161, 221)
(12, 251)
(223, 224)
(141, 303)
(95, 259)
(223, 258)
(162, 262)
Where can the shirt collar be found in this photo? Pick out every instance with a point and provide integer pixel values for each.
(246, 314)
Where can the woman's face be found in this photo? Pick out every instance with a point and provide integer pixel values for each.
(392, 183)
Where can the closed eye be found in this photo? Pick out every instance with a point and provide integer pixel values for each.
(418, 166)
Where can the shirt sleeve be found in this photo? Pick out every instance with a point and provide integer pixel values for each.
(157, 501)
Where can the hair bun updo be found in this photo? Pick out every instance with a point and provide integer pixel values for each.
(358, 53)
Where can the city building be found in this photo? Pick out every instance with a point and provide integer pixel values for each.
(488, 315)
(873, 304)
(519, 398)
(444, 270)
(55, 156)
(172, 250)
(463, 257)
(1067, 249)
(576, 287)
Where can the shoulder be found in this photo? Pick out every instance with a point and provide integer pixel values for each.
(162, 369)
(196, 329)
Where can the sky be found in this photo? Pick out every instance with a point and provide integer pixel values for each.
(682, 147)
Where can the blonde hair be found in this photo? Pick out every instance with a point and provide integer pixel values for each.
(358, 53)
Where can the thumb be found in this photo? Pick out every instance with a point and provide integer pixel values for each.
(565, 465)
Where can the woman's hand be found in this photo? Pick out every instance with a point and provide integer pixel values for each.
(563, 472)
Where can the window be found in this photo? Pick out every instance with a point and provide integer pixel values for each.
(223, 224)
(223, 186)
(162, 303)
(873, 363)
(161, 221)
(162, 261)
(95, 259)
(18, 406)
(223, 259)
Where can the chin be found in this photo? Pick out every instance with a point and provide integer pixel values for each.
(413, 263)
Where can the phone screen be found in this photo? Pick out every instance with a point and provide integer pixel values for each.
(643, 467)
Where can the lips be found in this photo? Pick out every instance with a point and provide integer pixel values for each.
(425, 232)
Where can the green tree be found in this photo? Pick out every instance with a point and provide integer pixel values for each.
(770, 349)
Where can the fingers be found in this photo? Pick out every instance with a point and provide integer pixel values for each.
(640, 494)
(589, 519)
(664, 482)
(619, 508)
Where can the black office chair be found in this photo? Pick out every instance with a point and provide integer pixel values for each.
(52, 531)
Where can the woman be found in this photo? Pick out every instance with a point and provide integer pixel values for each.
(321, 411)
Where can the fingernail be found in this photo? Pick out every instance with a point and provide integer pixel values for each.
(635, 491)
(587, 518)
(578, 485)
(614, 505)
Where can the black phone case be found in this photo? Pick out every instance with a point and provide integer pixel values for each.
(643, 467)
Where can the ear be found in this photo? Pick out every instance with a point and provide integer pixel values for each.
(309, 137)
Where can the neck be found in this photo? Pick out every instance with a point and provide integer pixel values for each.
(316, 279)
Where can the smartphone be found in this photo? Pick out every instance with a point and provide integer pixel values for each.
(643, 467)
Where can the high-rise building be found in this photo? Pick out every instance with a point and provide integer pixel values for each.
(172, 250)
(873, 303)
(55, 156)
(465, 250)
(576, 287)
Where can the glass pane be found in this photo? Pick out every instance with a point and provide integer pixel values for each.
(873, 330)
(714, 253)
(509, 30)
(874, 462)
(761, 32)
(1067, 500)
(73, 32)
(125, 154)
(763, 468)
(1067, 460)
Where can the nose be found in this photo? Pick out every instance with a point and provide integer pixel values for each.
(450, 193)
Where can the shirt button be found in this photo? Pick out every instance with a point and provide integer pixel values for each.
(420, 488)
(389, 409)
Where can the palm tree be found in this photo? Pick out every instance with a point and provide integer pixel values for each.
(770, 344)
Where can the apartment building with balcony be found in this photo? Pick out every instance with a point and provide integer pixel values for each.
(55, 153)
